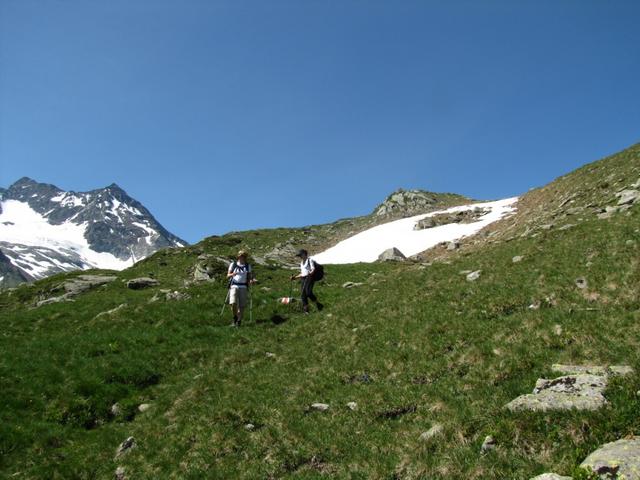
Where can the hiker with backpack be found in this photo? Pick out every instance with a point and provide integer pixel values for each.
(310, 273)
(240, 279)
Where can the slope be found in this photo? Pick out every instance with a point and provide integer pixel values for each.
(414, 345)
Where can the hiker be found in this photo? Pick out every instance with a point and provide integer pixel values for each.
(240, 278)
(307, 275)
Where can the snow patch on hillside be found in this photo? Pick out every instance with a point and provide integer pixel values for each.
(368, 245)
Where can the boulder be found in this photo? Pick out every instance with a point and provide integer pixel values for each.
(627, 197)
(582, 392)
(392, 254)
(453, 245)
(517, 259)
(76, 286)
(142, 282)
(143, 407)
(321, 407)
(612, 370)
(620, 459)
(352, 406)
(121, 474)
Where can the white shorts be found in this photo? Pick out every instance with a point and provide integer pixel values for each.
(239, 296)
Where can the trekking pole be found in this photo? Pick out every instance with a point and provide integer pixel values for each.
(250, 306)
(290, 294)
(225, 301)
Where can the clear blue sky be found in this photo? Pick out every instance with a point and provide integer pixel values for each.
(229, 115)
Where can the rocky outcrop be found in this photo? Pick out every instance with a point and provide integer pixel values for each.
(582, 388)
(76, 286)
(463, 216)
(392, 254)
(405, 203)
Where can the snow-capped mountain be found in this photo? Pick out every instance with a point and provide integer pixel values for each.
(45, 230)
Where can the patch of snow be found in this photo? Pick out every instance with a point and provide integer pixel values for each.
(368, 245)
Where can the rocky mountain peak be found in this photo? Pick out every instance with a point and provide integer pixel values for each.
(404, 203)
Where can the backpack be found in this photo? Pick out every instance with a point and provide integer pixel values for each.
(318, 272)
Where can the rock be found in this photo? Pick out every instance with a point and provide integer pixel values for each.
(120, 474)
(249, 427)
(115, 409)
(567, 226)
(392, 254)
(176, 295)
(321, 407)
(76, 286)
(433, 432)
(619, 460)
(581, 283)
(271, 355)
(557, 329)
(548, 226)
(406, 202)
(627, 197)
(453, 246)
(351, 284)
(517, 259)
(142, 282)
(112, 311)
(352, 406)
(582, 392)
(473, 276)
(550, 476)
(143, 407)
(613, 370)
(125, 446)
(488, 444)
(461, 216)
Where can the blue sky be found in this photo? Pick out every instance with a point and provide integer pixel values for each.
(230, 115)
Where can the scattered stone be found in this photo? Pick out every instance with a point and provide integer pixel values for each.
(567, 226)
(557, 329)
(461, 216)
(321, 407)
(548, 226)
(581, 283)
(352, 406)
(176, 296)
(271, 355)
(453, 245)
(249, 427)
(620, 459)
(488, 444)
(433, 432)
(393, 255)
(120, 474)
(351, 284)
(550, 476)
(473, 276)
(142, 282)
(115, 409)
(517, 259)
(125, 446)
(627, 197)
(143, 407)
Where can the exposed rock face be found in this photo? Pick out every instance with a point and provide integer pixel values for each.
(627, 197)
(619, 460)
(581, 389)
(464, 216)
(392, 254)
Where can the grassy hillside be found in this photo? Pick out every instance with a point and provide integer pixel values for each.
(414, 346)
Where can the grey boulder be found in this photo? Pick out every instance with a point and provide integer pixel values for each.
(142, 282)
(620, 459)
(392, 254)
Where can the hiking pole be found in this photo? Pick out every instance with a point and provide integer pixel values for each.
(290, 294)
(225, 301)
(250, 306)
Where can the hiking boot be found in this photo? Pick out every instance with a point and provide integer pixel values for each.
(320, 306)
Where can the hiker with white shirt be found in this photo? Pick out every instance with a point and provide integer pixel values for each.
(310, 272)
(240, 279)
